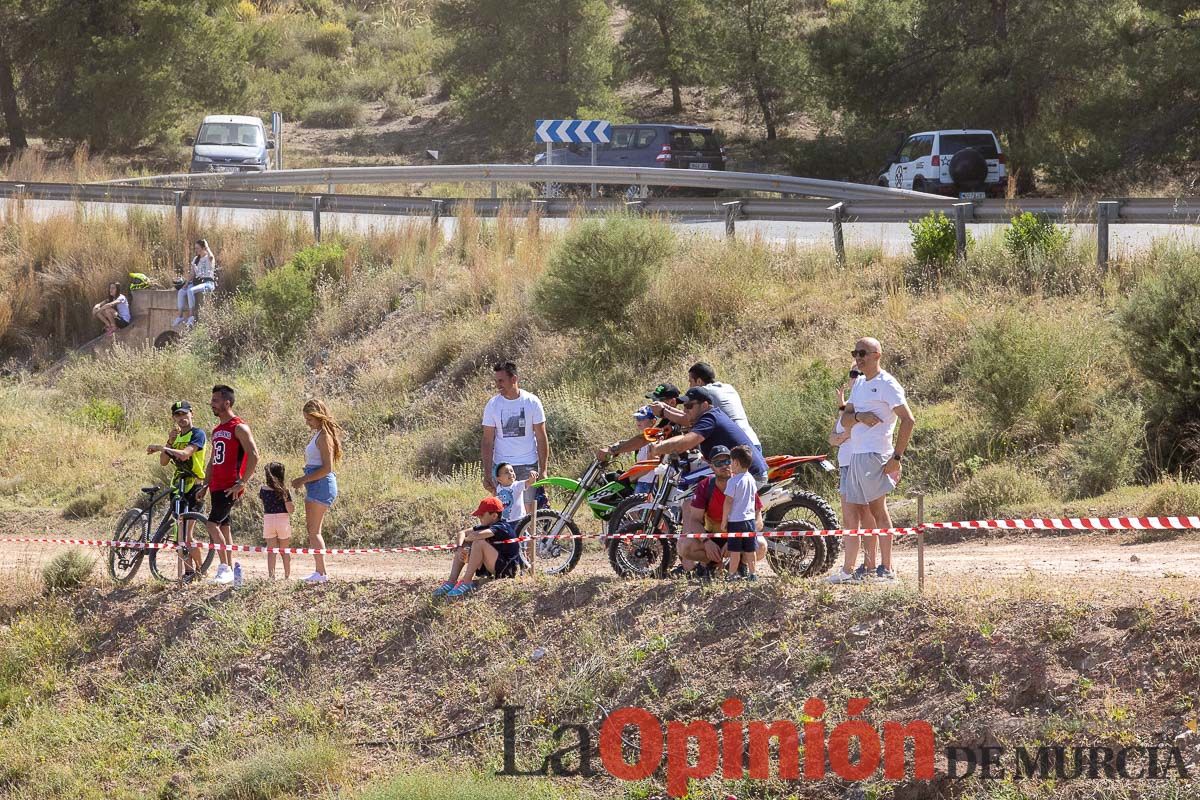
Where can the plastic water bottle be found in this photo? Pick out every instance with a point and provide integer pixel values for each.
(237, 573)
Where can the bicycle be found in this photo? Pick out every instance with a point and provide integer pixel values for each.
(169, 564)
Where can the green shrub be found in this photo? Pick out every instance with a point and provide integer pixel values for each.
(308, 769)
(1028, 375)
(85, 506)
(933, 240)
(1160, 324)
(332, 40)
(103, 414)
(345, 113)
(372, 84)
(67, 571)
(995, 489)
(1171, 497)
(1107, 453)
(599, 269)
(1029, 235)
(284, 300)
(793, 412)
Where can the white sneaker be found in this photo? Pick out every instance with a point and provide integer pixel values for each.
(189, 322)
(841, 576)
(317, 577)
(178, 321)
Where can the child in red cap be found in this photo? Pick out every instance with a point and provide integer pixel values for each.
(495, 548)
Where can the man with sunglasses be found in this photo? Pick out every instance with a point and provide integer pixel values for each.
(710, 427)
(876, 403)
(703, 514)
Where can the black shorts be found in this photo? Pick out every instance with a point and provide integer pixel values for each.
(221, 507)
(743, 544)
(507, 566)
(121, 323)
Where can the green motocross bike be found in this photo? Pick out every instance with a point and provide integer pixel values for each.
(558, 544)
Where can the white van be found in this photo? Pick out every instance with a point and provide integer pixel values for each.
(228, 143)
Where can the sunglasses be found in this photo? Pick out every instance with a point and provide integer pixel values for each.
(861, 353)
(689, 405)
(722, 462)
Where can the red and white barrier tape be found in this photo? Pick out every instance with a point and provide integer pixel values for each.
(1073, 523)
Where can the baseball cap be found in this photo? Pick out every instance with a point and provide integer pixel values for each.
(488, 505)
(643, 413)
(717, 452)
(182, 405)
(663, 391)
(699, 394)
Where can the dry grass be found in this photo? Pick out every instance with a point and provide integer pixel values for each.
(401, 346)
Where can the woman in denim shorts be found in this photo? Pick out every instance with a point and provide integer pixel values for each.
(319, 483)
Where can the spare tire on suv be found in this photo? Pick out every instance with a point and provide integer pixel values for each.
(968, 170)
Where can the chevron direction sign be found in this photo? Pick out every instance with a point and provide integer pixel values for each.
(577, 131)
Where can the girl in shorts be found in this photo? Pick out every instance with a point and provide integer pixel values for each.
(277, 516)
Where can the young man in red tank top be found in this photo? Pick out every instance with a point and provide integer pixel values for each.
(232, 458)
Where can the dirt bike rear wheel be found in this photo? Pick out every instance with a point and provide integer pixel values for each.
(811, 509)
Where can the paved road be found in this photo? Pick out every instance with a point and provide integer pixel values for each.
(891, 238)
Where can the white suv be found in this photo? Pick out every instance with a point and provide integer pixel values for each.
(962, 163)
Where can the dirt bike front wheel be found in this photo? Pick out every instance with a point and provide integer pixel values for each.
(558, 554)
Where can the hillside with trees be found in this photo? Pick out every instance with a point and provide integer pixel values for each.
(1087, 95)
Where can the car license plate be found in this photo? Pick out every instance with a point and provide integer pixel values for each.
(972, 195)
(699, 165)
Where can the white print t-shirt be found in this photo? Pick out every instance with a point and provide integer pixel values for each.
(123, 307)
(729, 401)
(514, 421)
(880, 395)
(741, 489)
(844, 451)
(513, 498)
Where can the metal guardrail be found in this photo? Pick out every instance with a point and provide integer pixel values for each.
(526, 173)
(1160, 211)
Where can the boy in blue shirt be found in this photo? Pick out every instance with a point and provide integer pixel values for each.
(491, 544)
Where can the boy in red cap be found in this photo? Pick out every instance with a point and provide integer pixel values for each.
(491, 544)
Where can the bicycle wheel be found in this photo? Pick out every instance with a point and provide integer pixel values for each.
(558, 555)
(169, 564)
(124, 562)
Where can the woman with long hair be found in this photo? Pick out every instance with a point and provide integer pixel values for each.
(202, 279)
(323, 452)
(113, 310)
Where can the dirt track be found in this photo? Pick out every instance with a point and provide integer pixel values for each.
(1125, 564)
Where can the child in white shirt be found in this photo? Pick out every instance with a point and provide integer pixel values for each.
(739, 514)
(512, 491)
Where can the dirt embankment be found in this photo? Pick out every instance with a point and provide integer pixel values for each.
(401, 680)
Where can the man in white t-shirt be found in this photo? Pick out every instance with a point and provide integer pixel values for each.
(876, 403)
(514, 431)
(724, 396)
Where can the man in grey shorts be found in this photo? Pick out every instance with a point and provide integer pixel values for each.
(875, 404)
